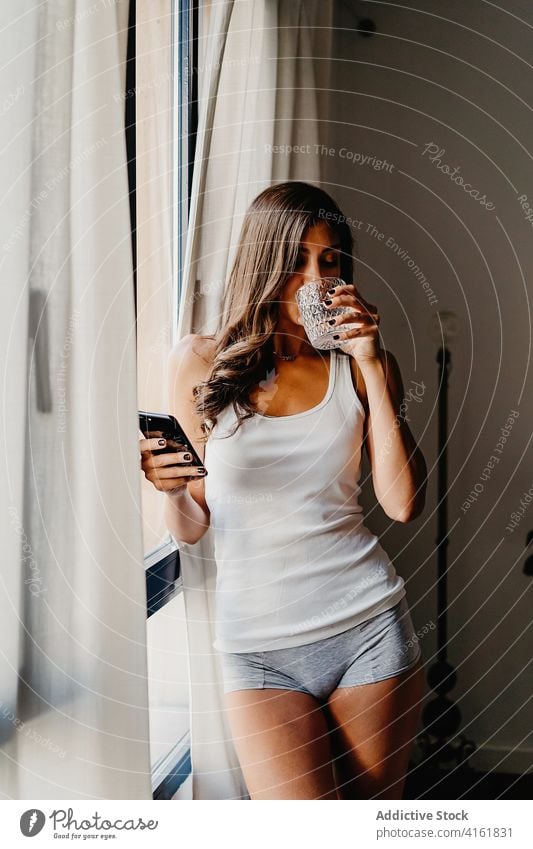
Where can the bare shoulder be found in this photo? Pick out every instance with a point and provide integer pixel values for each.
(189, 363)
(194, 352)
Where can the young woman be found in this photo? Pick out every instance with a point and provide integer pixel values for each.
(323, 675)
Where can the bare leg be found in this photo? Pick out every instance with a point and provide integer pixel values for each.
(372, 730)
(282, 742)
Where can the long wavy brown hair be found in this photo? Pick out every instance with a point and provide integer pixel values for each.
(266, 256)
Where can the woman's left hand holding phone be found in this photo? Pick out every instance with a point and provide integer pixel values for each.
(171, 469)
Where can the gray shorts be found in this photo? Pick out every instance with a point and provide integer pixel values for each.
(378, 648)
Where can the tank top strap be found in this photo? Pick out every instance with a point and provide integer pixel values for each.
(345, 389)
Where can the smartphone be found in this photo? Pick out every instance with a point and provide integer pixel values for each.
(163, 425)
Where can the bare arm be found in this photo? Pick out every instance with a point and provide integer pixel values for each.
(399, 472)
(185, 519)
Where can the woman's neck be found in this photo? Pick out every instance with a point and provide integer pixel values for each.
(291, 340)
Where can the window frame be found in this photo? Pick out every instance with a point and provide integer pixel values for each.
(162, 565)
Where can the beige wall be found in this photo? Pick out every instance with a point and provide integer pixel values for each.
(429, 80)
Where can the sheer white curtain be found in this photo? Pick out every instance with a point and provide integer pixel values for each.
(74, 712)
(263, 85)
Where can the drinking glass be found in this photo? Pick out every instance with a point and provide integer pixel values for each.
(315, 315)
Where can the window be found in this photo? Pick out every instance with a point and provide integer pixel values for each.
(162, 109)
(168, 679)
(155, 282)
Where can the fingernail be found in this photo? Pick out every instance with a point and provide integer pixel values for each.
(201, 471)
(187, 456)
(328, 302)
(331, 321)
(331, 291)
(336, 336)
(161, 442)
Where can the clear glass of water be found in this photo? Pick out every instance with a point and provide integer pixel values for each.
(315, 315)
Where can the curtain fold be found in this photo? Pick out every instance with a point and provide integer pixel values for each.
(18, 100)
(74, 584)
(261, 88)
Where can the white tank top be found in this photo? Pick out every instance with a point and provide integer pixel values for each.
(295, 563)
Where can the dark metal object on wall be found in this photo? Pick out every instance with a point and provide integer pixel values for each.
(442, 747)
